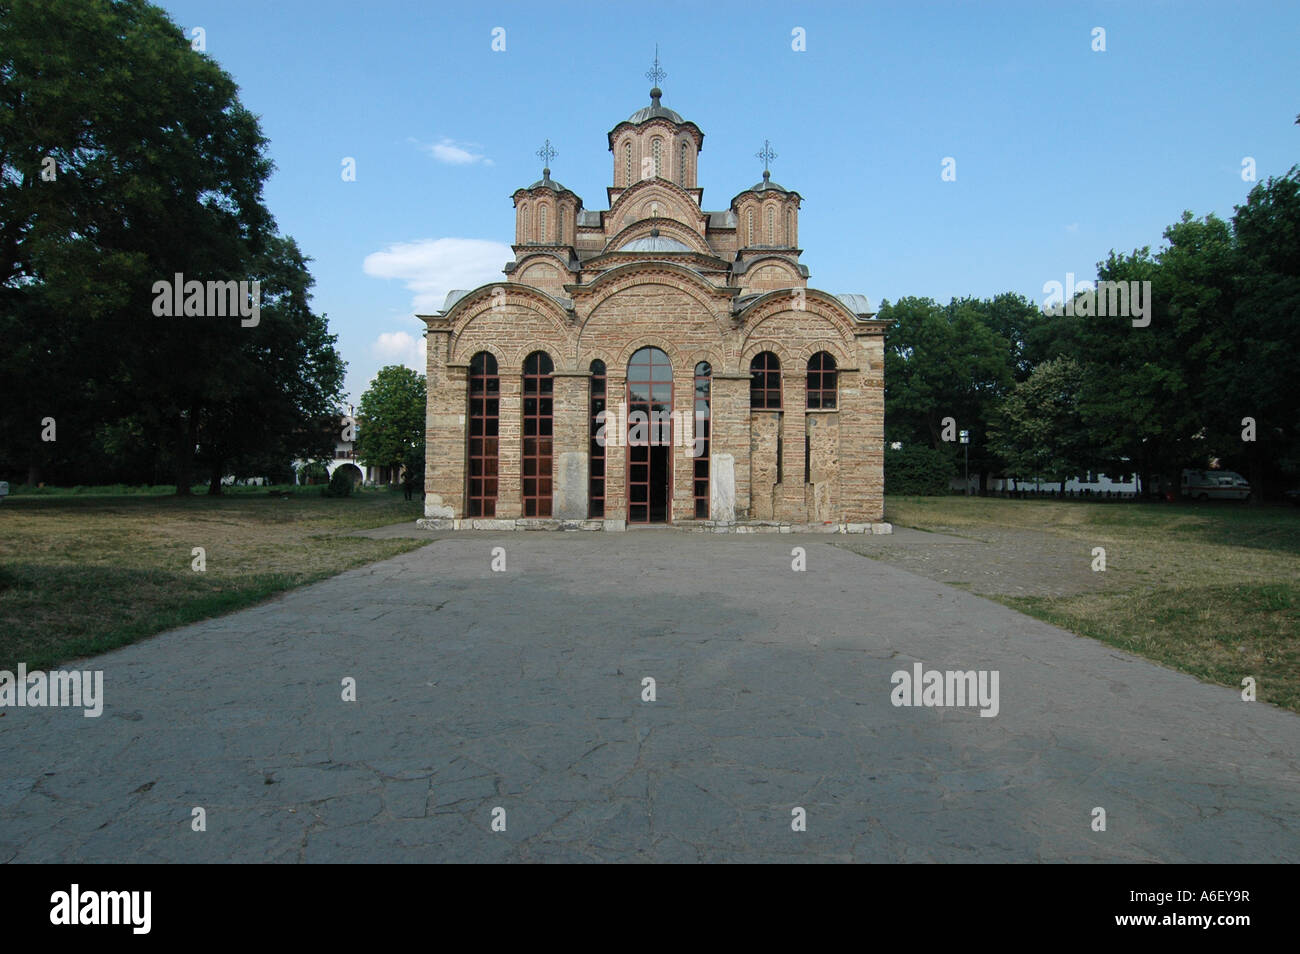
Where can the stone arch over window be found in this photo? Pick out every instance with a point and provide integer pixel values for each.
(538, 431)
(822, 376)
(765, 382)
(627, 163)
(484, 429)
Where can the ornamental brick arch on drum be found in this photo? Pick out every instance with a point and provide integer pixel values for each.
(656, 306)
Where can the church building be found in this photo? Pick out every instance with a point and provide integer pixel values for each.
(655, 363)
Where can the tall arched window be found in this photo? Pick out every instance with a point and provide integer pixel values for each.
(765, 382)
(703, 379)
(655, 145)
(484, 408)
(596, 450)
(771, 227)
(541, 225)
(627, 163)
(559, 227)
(749, 227)
(821, 382)
(681, 167)
(538, 422)
(524, 237)
(789, 229)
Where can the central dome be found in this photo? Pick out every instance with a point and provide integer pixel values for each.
(655, 111)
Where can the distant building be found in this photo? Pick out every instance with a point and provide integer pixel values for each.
(345, 459)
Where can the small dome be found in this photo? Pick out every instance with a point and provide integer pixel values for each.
(767, 185)
(655, 243)
(655, 111)
(547, 182)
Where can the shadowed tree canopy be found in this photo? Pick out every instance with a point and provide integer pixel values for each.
(126, 158)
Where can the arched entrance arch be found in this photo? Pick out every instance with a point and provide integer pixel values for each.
(649, 436)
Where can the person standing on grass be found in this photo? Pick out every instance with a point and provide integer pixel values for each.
(408, 484)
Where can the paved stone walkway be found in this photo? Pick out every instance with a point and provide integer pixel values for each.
(523, 690)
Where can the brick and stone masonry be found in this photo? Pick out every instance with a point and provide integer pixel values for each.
(656, 271)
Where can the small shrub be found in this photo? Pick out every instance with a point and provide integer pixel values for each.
(340, 484)
(917, 470)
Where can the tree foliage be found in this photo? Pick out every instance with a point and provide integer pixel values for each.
(390, 419)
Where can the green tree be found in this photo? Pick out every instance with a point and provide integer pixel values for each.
(1038, 430)
(944, 363)
(390, 419)
(125, 158)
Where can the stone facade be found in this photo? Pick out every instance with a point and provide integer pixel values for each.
(671, 308)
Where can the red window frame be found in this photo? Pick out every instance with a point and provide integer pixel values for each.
(538, 435)
(483, 436)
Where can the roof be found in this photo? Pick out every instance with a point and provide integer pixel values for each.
(767, 185)
(858, 304)
(546, 182)
(588, 218)
(453, 296)
(721, 220)
(656, 110)
(655, 243)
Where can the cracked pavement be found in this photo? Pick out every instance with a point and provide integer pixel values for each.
(523, 690)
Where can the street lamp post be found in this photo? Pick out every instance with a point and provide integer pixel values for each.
(965, 440)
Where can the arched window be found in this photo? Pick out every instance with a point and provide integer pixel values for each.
(789, 229)
(821, 382)
(541, 225)
(654, 149)
(765, 382)
(559, 227)
(650, 436)
(596, 450)
(538, 422)
(681, 167)
(484, 408)
(627, 163)
(749, 227)
(703, 380)
(771, 229)
(524, 237)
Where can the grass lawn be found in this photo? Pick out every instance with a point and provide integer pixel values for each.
(80, 574)
(1211, 589)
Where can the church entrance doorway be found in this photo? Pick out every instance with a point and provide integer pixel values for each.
(649, 437)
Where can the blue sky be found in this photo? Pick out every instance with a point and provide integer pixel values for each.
(1061, 153)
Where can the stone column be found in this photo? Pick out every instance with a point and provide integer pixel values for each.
(790, 502)
(444, 429)
(683, 464)
(571, 406)
(729, 462)
(615, 444)
(510, 504)
(862, 430)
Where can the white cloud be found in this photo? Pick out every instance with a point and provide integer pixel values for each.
(399, 347)
(455, 153)
(432, 267)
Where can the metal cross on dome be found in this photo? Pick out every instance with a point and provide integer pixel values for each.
(546, 154)
(766, 154)
(656, 74)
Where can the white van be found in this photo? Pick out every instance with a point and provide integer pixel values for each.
(1215, 485)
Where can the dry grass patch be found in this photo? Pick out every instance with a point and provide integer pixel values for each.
(80, 575)
(1210, 589)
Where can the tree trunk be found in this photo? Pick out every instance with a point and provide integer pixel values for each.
(214, 481)
(33, 474)
(1256, 475)
(187, 437)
